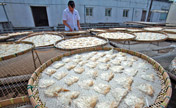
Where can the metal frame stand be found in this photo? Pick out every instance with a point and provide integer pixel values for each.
(3, 5)
(128, 43)
(35, 58)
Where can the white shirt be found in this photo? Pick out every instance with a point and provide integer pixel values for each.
(71, 19)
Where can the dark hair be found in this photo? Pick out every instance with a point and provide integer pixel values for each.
(71, 3)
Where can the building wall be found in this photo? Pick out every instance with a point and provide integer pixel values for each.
(54, 14)
(2, 15)
(1, 28)
(171, 15)
(135, 8)
(157, 5)
(20, 14)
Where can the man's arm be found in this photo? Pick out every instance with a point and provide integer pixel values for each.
(65, 23)
(78, 24)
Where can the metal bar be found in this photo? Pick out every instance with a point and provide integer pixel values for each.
(33, 59)
(129, 45)
(84, 14)
(5, 11)
(133, 15)
(149, 13)
(3, 5)
(113, 44)
(38, 57)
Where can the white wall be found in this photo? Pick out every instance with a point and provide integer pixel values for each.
(157, 5)
(54, 14)
(2, 15)
(20, 15)
(171, 18)
(1, 28)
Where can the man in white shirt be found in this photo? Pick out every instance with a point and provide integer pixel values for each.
(71, 17)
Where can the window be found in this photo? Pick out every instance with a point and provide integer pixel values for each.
(125, 12)
(163, 16)
(108, 12)
(89, 11)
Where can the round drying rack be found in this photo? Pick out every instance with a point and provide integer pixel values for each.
(161, 101)
(18, 53)
(158, 40)
(42, 33)
(119, 39)
(73, 33)
(69, 49)
(149, 28)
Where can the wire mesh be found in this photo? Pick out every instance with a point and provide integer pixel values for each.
(15, 72)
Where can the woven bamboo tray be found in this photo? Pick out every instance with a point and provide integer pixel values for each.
(79, 48)
(170, 38)
(110, 39)
(3, 38)
(41, 33)
(170, 29)
(19, 53)
(13, 101)
(161, 101)
(147, 28)
(159, 40)
(73, 33)
(19, 34)
(118, 29)
(98, 30)
(134, 29)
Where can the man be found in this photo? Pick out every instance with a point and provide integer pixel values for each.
(71, 17)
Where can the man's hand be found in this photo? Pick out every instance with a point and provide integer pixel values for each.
(65, 23)
(79, 28)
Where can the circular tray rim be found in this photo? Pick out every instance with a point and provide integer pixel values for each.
(115, 29)
(140, 29)
(96, 30)
(164, 30)
(145, 28)
(19, 53)
(110, 39)
(41, 33)
(67, 33)
(166, 36)
(14, 35)
(13, 101)
(157, 66)
(5, 38)
(168, 32)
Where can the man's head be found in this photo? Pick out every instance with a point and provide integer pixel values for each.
(71, 5)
